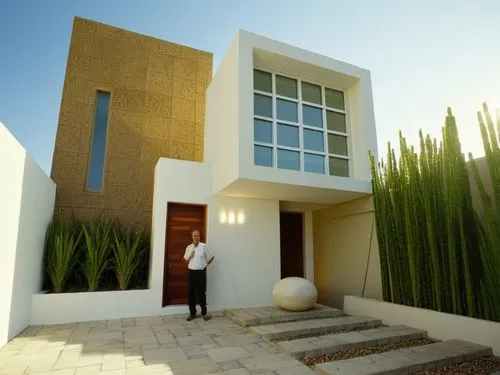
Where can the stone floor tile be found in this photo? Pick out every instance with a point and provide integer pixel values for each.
(135, 363)
(228, 354)
(194, 367)
(230, 365)
(270, 362)
(88, 370)
(194, 340)
(117, 365)
(159, 356)
(239, 371)
(56, 372)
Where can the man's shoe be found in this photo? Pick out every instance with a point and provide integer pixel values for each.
(190, 317)
(207, 317)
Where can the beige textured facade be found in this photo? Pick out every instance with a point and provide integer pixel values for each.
(157, 109)
(346, 257)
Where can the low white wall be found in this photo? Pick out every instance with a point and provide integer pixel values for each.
(231, 281)
(27, 204)
(80, 307)
(441, 326)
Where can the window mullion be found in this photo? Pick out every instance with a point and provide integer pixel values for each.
(275, 126)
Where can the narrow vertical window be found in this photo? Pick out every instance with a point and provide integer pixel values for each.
(98, 146)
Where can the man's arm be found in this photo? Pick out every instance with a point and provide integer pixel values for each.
(208, 256)
(188, 255)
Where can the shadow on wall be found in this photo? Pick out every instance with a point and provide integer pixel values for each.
(346, 256)
(27, 210)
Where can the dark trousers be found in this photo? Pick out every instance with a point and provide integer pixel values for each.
(197, 288)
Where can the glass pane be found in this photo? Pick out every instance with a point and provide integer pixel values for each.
(263, 156)
(262, 105)
(311, 93)
(98, 146)
(312, 116)
(337, 144)
(334, 99)
(286, 110)
(289, 160)
(314, 163)
(286, 87)
(313, 140)
(288, 135)
(262, 81)
(262, 131)
(336, 121)
(339, 167)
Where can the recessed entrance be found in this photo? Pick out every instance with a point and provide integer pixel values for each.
(182, 219)
(292, 244)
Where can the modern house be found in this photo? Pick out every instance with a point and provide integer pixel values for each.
(268, 159)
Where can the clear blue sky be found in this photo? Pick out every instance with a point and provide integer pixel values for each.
(424, 55)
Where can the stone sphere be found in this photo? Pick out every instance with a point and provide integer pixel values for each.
(295, 294)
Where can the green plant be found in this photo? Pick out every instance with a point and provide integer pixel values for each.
(61, 245)
(98, 240)
(489, 224)
(128, 254)
(435, 251)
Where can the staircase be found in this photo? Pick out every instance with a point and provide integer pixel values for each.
(332, 343)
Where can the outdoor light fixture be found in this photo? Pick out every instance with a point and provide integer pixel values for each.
(231, 217)
(241, 218)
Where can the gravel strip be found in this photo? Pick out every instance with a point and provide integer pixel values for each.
(482, 366)
(306, 335)
(359, 352)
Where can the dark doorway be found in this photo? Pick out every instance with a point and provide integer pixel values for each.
(182, 219)
(292, 244)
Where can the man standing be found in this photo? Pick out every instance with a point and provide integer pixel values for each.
(198, 257)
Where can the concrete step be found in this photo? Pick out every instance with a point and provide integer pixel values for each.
(319, 345)
(256, 316)
(314, 327)
(408, 360)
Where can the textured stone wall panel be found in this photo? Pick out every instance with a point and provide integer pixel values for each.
(157, 110)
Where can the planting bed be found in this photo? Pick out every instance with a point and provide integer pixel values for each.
(359, 352)
(481, 366)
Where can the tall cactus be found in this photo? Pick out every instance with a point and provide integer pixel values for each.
(427, 227)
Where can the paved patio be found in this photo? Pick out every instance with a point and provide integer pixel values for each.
(164, 344)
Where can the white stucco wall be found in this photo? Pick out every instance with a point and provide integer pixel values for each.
(346, 252)
(27, 197)
(439, 325)
(247, 256)
(221, 120)
(230, 119)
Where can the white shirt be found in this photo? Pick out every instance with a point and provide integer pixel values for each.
(201, 256)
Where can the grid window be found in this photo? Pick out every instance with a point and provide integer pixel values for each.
(262, 131)
(314, 163)
(288, 135)
(289, 159)
(263, 156)
(299, 125)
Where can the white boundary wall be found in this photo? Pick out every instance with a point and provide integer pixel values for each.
(441, 326)
(27, 197)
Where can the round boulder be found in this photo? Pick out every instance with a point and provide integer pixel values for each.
(295, 294)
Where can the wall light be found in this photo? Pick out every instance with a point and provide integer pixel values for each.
(223, 217)
(231, 218)
(241, 218)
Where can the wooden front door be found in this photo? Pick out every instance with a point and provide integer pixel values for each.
(292, 246)
(182, 219)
